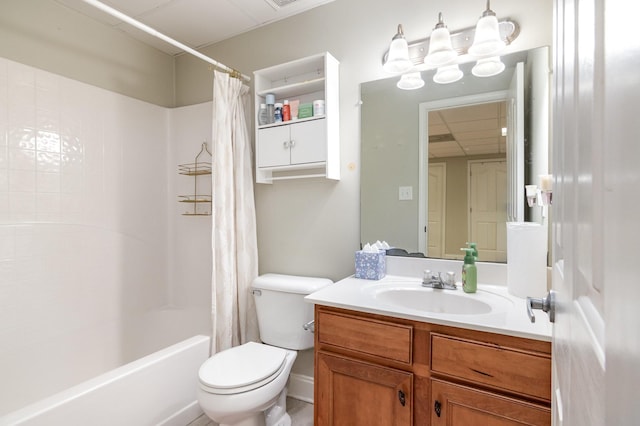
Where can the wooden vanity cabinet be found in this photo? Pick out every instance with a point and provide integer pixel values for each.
(377, 370)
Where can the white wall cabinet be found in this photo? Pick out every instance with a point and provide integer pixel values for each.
(302, 148)
(296, 144)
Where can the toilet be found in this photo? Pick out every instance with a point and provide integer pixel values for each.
(246, 385)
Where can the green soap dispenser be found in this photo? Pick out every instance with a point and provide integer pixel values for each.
(474, 246)
(469, 272)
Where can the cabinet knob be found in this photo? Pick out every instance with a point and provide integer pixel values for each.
(292, 143)
(401, 398)
(285, 144)
(437, 407)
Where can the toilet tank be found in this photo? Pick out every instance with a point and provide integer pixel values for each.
(282, 311)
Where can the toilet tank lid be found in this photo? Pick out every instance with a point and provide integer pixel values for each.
(290, 283)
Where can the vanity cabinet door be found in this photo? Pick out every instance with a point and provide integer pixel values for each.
(456, 405)
(355, 393)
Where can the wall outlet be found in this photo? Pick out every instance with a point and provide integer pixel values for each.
(405, 193)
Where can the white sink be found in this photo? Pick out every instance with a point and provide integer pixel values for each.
(450, 302)
(437, 301)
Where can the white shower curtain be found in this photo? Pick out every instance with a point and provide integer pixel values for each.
(235, 252)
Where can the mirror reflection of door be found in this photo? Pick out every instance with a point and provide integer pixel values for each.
(488, 208)
(464, 138)
(437, 209)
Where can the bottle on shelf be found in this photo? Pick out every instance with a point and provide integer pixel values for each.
(278, 113)
(286, 111)
(262, 115)
(270, 100)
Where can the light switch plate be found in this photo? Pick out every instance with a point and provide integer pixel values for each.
(405, 193)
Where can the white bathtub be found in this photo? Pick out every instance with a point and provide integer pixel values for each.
(158, 389)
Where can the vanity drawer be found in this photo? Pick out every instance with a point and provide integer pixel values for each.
(373, 337)
(492, 365)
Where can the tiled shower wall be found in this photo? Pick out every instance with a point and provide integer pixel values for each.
(83, 228)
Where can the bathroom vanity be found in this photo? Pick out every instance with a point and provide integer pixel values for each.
(379, 360)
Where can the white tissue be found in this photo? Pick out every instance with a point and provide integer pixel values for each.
(375, 247)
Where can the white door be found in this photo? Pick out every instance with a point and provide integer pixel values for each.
(436, 209)
(595, 214)
(487, 208)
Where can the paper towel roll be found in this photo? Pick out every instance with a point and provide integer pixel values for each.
(526, 259)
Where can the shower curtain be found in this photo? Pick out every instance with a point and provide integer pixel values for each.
(234, 242)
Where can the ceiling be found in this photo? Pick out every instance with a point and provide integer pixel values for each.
(469, 130)
(195, 23)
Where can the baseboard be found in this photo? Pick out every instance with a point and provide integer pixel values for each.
(300, 387)
(183, 416)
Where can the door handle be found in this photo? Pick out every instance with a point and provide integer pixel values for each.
(546, 304)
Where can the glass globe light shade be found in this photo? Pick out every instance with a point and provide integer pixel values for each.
(410, 81)
(488, 67)
(440, 50)
(448, 74)
(487, 41)
(398, 57)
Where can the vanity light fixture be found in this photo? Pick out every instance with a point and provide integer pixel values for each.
(440, 49)
(445, 50)
(410, 81)
(398, 57)
(487, 41)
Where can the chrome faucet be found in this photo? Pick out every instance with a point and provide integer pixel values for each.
(436, 281)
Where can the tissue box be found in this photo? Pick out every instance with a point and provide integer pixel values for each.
(371, 265)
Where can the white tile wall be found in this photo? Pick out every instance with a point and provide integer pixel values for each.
(87, 212)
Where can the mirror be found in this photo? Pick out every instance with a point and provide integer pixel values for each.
(419, 146)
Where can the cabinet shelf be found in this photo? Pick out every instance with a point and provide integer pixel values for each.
(295, 89)
(290, 122)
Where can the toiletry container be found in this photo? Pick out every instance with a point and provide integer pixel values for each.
(286, 111)
(474, 246)
(263, 117)
(469, 272)
(318, 107)
(270, 100)
(278, 113)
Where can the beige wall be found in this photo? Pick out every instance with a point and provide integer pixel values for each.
(304, 227)
(46, 35)
(312, 227)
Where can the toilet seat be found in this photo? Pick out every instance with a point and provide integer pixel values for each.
(241, 368)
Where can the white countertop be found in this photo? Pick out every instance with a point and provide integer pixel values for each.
(509, 319)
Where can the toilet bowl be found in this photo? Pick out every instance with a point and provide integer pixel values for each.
(246, 385)
(237, 385)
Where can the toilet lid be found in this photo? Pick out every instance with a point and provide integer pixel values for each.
(242, 368)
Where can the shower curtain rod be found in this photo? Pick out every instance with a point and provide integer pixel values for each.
(147, 29)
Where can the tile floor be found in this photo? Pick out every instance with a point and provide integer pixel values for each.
(301, 414)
